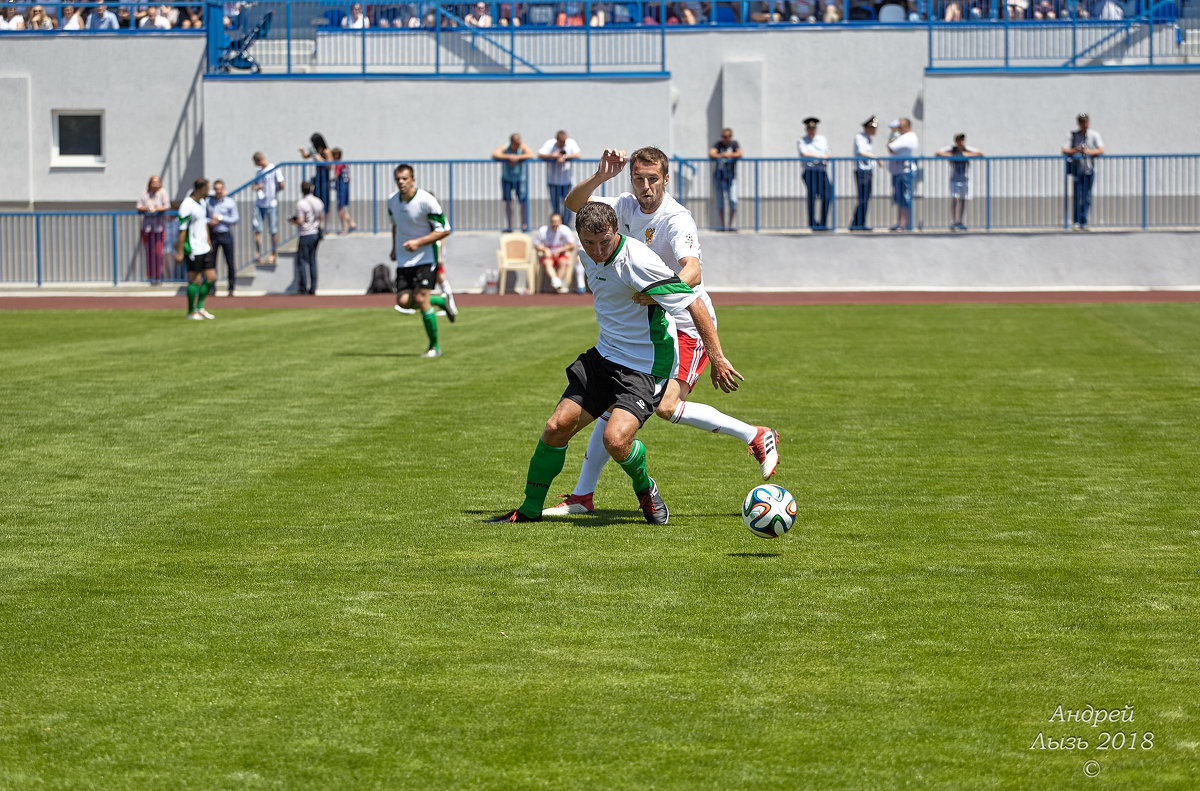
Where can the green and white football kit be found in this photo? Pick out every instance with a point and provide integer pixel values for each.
(416, 270)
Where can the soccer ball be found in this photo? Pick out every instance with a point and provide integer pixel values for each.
(769, 510)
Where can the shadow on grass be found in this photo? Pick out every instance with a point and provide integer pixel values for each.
(752, 554)
(377, 354)
(598, 518)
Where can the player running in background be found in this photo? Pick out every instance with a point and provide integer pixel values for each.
(652, 216)
(627, 371)
(418, 224)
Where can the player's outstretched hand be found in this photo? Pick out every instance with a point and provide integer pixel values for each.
(724, 375)
(612, 162)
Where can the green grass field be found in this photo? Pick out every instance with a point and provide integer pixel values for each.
(248, 554)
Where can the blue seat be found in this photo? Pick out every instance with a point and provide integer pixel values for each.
(723, 15)
(333, 17)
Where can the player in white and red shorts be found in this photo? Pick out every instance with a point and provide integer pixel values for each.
(650, 215)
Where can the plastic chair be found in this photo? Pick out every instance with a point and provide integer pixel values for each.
(516, 255)
(893, 13)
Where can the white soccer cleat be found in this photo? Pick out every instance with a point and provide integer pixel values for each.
(432, 351)
(765, 450)
(407, 311)
(204, 314)
(451, 308)
(571, 504)
(194, 317)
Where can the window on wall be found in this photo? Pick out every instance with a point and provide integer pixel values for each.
(78, 138)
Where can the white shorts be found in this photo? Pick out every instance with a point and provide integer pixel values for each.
(960, 188)
(693, 359)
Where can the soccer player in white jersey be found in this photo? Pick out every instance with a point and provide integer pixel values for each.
(627, 371)
(651, 215)
(193, 243)
(418, 224)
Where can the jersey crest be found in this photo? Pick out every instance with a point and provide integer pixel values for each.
(649, 235)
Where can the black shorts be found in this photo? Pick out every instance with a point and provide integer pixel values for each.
(201, 262)
(411, 278)
(598, 385)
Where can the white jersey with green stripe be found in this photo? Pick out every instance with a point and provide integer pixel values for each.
(670, 231)
(412, 219)
(636, 336)
(193, 224)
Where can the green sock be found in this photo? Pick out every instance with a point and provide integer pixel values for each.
(546, 464)
(437, 300)
(202, 292)
(193, 290)
(635, 466)
(430, 319)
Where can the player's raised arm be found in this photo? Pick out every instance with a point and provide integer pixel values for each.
(612, 162)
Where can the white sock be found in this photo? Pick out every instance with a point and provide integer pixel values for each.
(594, 459)
(580, 275)
(702, 416)
(445, 287)
(556, 282)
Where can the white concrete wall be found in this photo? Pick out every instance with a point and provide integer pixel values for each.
(149, 91)
(788, 262)
(760, 82)
(421, 119)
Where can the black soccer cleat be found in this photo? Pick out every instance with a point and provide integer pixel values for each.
(653, 507)
(515, 516)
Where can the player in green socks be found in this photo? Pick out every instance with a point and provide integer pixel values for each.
(628, 368)
(194, 245)
(418, 224)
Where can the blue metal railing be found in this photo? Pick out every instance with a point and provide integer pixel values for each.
(1061, 35)
(1028, 194)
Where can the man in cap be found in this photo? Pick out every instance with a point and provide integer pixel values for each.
(1085, 145)
(864, 172)
(814, 150)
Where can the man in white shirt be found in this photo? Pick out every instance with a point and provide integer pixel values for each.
(355, 19)
(814, 150)
(418, 224)
(903, 146)
(555, 246)
(266, 207)
(864, 172)
(648, 213)
(193, 245)
(557, 152)
(310, 211)
(626, 371)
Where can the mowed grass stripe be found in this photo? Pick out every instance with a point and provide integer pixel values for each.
(247, 554)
